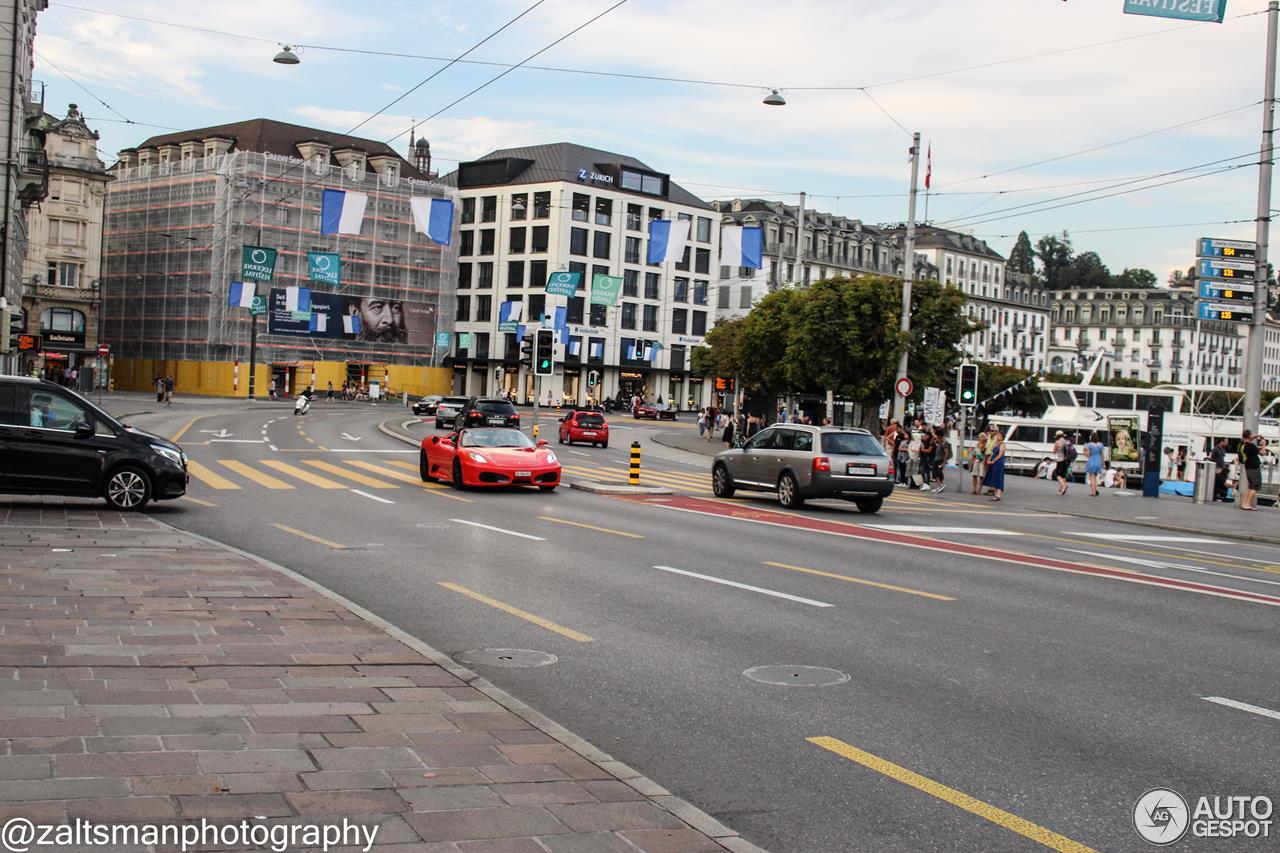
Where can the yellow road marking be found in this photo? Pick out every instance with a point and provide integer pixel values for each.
(198, 501)
(434, 488)
(960, 800)
(590, 527)
(516, 611)
(400, 463)
(350, 475)
(180, 433)
(309, 439)
(209, 477)
(337, 546)
(304, 476)
(877, 584)
(257, 476)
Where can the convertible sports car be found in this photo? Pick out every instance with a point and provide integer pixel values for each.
(655, 412)
(488, 456)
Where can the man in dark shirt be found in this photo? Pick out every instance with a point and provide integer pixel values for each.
(1251, 460)
(1220, 469)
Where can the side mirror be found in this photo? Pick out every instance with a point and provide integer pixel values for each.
(435, 439)
(84, 429)
(542, 442)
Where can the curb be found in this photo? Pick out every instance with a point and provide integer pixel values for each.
(657, 438)
(611, 489)
(653, 792)
(398, 436)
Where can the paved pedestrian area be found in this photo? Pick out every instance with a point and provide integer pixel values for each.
(147, 675)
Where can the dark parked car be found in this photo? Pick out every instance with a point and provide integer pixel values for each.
(427, 405)
(447, 409)
(55, 442)
(800, 461)
(482, 411)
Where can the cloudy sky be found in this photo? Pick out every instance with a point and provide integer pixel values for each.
(1145, 108)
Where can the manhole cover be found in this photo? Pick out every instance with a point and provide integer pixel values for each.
(796, 676)
(505, 658)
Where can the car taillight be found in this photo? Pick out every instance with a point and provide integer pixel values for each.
(891, 469)
(515, 417)
(821, 463)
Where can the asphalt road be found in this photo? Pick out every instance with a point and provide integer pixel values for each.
(1006, 679)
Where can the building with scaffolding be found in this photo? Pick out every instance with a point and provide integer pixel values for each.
(188, 212)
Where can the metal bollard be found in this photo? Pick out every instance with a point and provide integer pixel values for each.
(633, 476)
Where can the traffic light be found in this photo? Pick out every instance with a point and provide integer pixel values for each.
(968, 385)
(544, 351)
(526, 351)
(592, 378)
(12, 324)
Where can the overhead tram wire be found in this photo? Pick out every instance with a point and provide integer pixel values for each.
(1129, 228)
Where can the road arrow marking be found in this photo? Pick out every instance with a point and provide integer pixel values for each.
(349, 437)
(218, 433)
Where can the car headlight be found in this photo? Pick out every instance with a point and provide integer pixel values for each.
(551, 457)
(478, 457)
(169, 453)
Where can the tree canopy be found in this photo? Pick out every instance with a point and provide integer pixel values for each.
(1023, 258)
(1061, 268)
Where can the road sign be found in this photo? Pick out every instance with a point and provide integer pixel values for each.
(904, 387)
(1216, 291)
(104, 350)
(1226, 270)
(1223, 312)
(1230, 250)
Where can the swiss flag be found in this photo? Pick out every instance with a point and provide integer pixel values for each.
(928, 169)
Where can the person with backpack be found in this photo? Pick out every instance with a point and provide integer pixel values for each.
(1064, 453)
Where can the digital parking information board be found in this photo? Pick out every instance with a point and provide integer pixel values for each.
(1224, 312)
(1228, 250)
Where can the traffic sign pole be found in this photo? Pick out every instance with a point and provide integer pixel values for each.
(1257, 331)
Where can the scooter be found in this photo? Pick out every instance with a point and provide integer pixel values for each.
(302, 405)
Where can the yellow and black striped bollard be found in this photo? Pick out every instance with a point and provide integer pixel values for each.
(633, 476)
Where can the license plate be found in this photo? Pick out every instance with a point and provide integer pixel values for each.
(523, 473)
(497, 421)
(587, 432)
(861, 469)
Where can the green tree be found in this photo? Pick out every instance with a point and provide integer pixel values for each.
(1055, 257)
(1136, 277)
(1022, 259)
(762, 348)
(1085, 270)
(721, 355)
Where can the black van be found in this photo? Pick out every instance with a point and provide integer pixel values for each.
(55, 442)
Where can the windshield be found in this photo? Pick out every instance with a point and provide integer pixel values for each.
(851, 444)
(495, 407)
(590, 421)
(454, 401)
(495, 438)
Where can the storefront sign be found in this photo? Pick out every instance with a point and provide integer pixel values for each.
(592, 175)
(688, 339)
(585, 330)
(1211, 11)
(63, 340)
(324, 267)
(257, 263)
(605, 289)
(563, 284)
(28, 343)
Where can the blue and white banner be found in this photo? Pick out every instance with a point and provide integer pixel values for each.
(597, 349)
(520, 331)
(240, 295)
(742, 246)
(509, 315)
(297, 300)
(433, 217)
(667, 239)
(342, 212)
(351, 324)
(319, 323)
(561, 323)
(574, 346)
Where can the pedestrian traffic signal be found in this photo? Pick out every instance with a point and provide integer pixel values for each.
(12, 324)
(592, 378)
(544, 346)
(968, 385)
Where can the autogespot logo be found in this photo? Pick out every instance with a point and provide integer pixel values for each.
(1161, 816)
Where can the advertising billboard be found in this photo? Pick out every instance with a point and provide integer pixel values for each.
(343, 316)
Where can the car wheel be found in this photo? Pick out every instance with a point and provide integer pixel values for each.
(424, 467)
(869, 505)
(560, 437)
(605, 445)
(721, 482)
(457, 476)
(546, 488)
(789, 491)
(127, 489)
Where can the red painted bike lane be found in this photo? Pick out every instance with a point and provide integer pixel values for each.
(754, 515)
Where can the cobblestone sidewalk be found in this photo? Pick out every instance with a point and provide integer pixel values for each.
(147, 675)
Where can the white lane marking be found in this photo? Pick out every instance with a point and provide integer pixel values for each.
(273, 447)
(372, 497)
(499, 529)
(219, 433)
(349, 437)
(1212, 554)
(1153, 564)
(1142, 537)
(1243, 706)
(748, 587)
(236, 440)
(366, 450)
(579, 453)
(907, 528)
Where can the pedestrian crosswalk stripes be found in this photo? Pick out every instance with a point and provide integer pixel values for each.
(265, 480)
(354, 477)
(436, 488)
(304, 476)
(208, 476)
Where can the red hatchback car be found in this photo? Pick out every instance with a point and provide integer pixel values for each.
(488, 456)
(655, 412)
(586, 426)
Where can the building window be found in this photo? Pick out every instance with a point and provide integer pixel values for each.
(576, 307)
(722, 297)
(599, 315)
(482, 345)
(519, 205)
(699, 323)
(489, 208)
(680, 321)
(604, 211)
(595, 351)
(652, 285)
(542, 205)
(681, 290)
(539, 238)
(634, 214)
(631, 250)
(484, 275)
(651, 318)
(683, 263)
(581, 207)
(628, 315)
(642, 182)
(744, 297)
(386, 273)
(577, 241)
(631, 283)
(463, 312)
(464, 276)
(699, 292)
(704, 229)
(467, 243)
(68, 275)
(702, 262)
(517, 239)
(537, 307)
(486, 242)
(602, 244)
(61, 320)
(484, 308)
(515, 274)
(468, 211)
(537, 273)
(64, 232)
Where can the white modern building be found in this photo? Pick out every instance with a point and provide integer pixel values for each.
(832, 246)
(1271, 357)
(1147, 334)
(526, 213)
